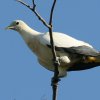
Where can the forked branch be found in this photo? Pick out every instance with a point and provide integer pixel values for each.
(55, 78)
(33, 9)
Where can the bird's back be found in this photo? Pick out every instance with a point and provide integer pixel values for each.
(62, 40)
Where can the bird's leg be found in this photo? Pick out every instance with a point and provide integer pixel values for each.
(57, 61)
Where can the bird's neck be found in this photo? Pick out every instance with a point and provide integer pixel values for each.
(27, 33)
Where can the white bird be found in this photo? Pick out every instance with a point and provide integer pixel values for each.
(73, 54)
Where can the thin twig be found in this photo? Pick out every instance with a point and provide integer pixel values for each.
(50, 31)
(33, 9)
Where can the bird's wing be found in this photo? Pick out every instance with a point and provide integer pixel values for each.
(82, 50)
(61, 40)
(68, 44)
(83, 66)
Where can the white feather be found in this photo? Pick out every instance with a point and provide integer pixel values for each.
(37, 42)
(62, 40)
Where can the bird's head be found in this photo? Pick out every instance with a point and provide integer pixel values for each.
(16, 25)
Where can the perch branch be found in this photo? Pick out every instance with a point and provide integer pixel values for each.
(33, 9)
(55, 78)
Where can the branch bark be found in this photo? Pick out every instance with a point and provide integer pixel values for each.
(55, 78)
(33, 9)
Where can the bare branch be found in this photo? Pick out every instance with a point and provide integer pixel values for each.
(33, 9)
(55, 78)
(51, 14)
(33, 2)
(24, 3)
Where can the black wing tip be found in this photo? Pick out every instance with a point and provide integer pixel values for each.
(83, 66)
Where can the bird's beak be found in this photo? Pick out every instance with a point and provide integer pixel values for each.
(9, 27)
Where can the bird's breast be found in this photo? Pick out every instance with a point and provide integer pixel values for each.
(40, 50)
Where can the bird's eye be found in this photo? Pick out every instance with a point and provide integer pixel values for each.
(17, 23)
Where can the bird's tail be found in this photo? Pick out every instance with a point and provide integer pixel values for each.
(95, 59)
(88, 63)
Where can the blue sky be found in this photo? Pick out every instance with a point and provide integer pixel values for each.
(21, 77)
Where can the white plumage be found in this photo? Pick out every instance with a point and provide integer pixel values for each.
(62, 40)
(69, 50)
